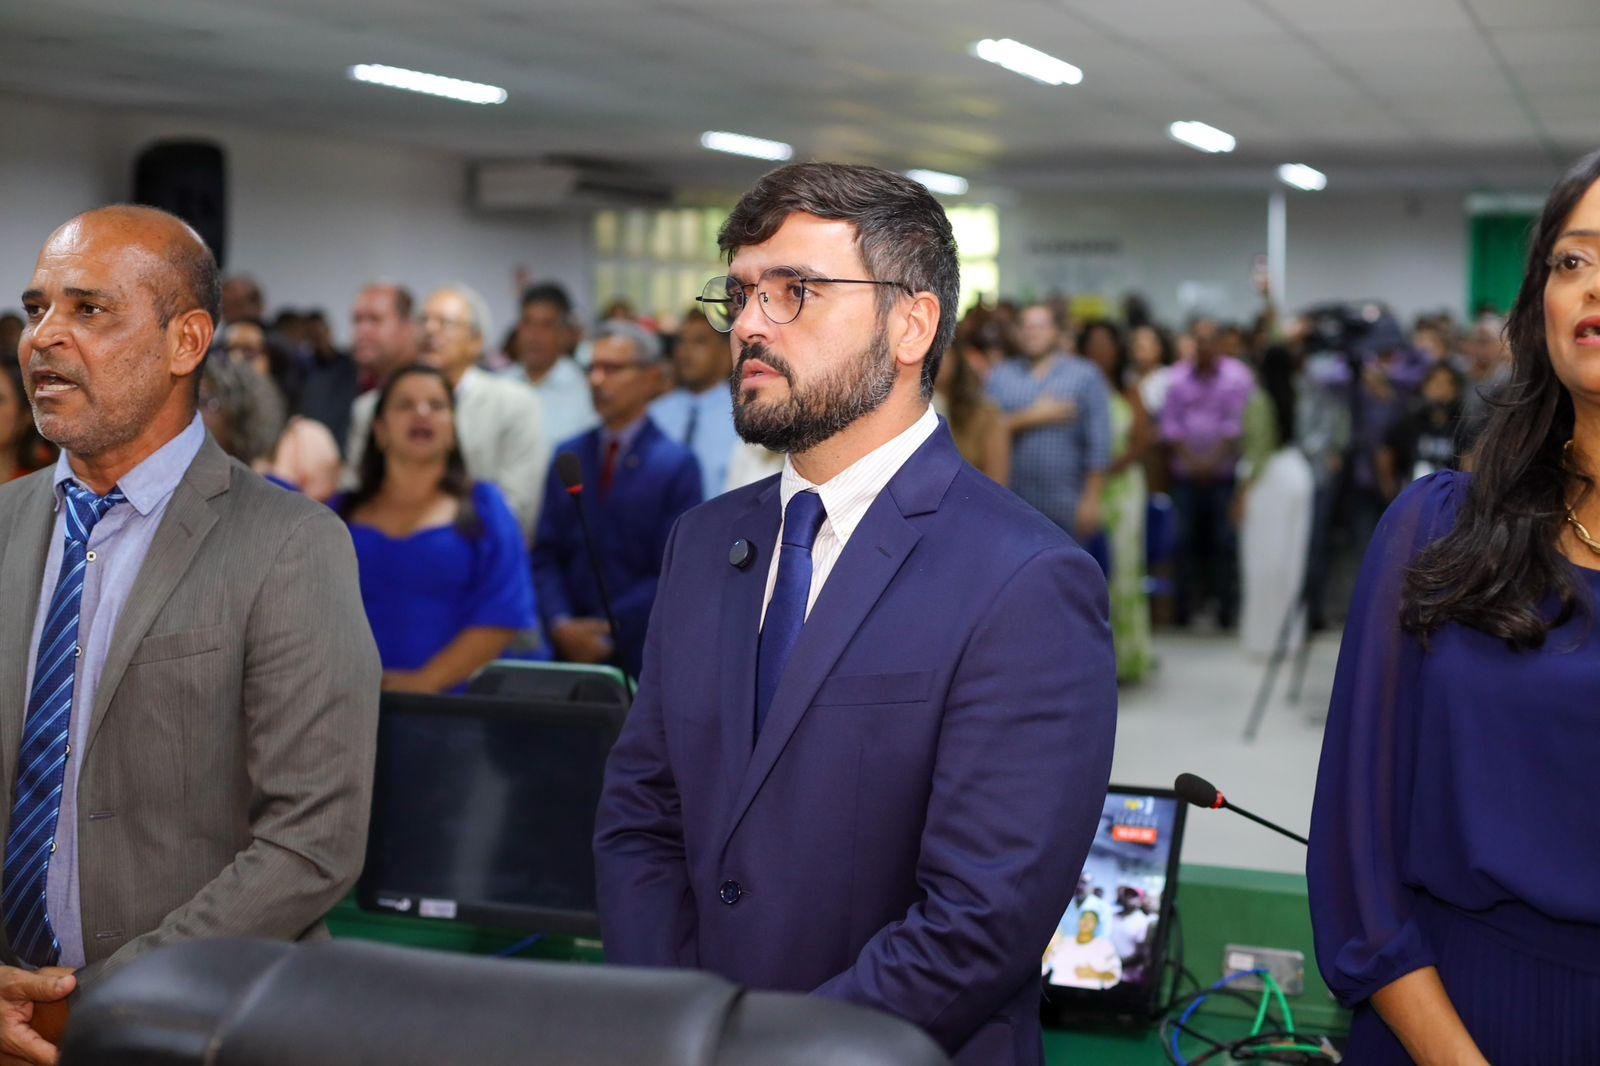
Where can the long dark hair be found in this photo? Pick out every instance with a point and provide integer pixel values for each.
(1117, 376)
(375, 465)
(1498, 565)
(1276, 376)
(32, 452)
(965, 398)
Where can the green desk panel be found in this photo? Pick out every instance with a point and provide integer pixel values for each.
(1218, 906)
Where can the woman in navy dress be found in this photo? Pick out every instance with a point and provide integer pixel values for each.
(444, 569)
(1454, 867)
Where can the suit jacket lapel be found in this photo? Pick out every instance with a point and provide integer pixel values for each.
(874, 555)
(189, 517)
(878, 548)
(26, 551)
(737, 641)
(632, 463)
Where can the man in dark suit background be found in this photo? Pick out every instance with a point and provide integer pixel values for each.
(636, 484)
(874, 728)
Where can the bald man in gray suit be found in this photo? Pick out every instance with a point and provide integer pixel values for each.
(188, 685)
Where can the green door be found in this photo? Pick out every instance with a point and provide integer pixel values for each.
(1497, 255)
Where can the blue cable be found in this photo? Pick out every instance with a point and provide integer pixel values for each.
(519, 947)
(1201, 998)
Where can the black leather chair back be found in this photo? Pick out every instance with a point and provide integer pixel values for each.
(351, 1003)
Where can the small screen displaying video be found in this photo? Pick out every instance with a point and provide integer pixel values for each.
(1112, 934)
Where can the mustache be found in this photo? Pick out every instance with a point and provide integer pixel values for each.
(766, 355)
(38, 368)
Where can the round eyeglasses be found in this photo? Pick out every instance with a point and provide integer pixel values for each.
(781, 293)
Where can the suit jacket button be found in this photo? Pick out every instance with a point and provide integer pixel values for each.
(730, 892)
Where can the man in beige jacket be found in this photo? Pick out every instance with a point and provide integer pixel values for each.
(188, 685)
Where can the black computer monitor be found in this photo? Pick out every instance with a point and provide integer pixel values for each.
(561, 682)
(1105, 961)
(483, 810)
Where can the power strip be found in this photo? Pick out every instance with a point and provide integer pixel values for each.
(1287, 967)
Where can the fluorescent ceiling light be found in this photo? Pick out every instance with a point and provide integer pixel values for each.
(416, 81)
(948, 184)
(740, 144)
(1199, 135)
(1303, 177)
(1029, 62)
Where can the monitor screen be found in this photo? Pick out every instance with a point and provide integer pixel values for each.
(1109, 949)
(483, 810)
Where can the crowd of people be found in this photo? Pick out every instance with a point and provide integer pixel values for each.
(1218, 469)
(942, 759)
(1218, 472)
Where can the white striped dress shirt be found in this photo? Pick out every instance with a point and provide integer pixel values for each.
(846, 498)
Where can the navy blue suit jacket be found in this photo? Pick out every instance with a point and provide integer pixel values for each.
(656, 480)
(910, 824)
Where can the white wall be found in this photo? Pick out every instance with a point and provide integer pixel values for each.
(312, 218)
(1409, 250)
(1190, 252)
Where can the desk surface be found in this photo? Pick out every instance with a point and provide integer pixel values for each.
(1217, 905)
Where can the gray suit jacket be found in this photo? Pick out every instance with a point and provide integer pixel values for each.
(227, 779)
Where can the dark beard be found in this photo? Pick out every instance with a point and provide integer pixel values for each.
(811, 415)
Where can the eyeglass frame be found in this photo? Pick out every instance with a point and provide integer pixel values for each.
(800, 307)
(608, 369)
(422, 320)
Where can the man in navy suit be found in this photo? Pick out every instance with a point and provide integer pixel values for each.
(637, 483)
(873, 733)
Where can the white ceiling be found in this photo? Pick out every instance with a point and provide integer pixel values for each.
(1478, 94)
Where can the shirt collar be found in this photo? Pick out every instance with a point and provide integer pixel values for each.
(567, 373)
(848, 494)
(154, 479)
(563, 373)
(625, 437)
(469, 377)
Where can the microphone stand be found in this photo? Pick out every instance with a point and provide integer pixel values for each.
(576, 492)
(1270, 825)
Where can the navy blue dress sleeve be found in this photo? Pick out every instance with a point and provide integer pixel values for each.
(501, 596)
(1362, 910)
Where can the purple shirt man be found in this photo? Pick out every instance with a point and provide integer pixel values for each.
(1204, 416)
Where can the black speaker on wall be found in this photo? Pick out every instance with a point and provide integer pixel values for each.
(190, 179)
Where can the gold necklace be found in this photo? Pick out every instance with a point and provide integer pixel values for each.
(1583, 534)
(1572, 517)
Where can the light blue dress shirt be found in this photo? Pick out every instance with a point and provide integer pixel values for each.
(714, 436)
(117, 549)
(564, 400)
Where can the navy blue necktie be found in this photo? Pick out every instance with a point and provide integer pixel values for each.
(42, 760)
(786, 613)
(694, 422)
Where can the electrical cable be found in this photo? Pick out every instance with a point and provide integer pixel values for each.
(1262, 1044)
(519, 947)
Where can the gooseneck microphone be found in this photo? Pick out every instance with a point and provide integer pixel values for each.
(1202, 793)
(570, 470)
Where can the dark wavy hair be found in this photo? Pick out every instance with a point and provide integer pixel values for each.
(1501, 564)
(32, 452)
(375, 465)
(1117, 376)
(965, 399)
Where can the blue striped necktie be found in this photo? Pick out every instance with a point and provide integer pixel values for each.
(42, 760)
(786, 613)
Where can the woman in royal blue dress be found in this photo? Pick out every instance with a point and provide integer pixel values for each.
(1455, 858)
(444, 569)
